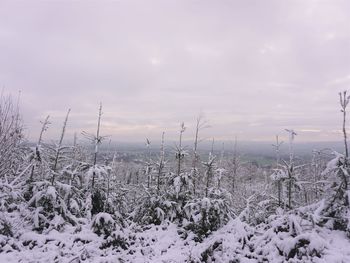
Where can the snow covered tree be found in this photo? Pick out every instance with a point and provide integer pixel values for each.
(210, 166)
(96, 172)
(160, 165)
(278, 176)
(57, 152)
(11, 137)
(234, 167)
(200, 125)
(335, 209)
(148, 164)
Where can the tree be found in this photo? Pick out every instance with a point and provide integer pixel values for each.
(96, 140)
(180, 153)
(290, 168)
(160, 165)
(148, 167)
(278, 179)
(336, 208)
(11, 137)
(14, 165)
(200, 125)
(210, 166)
(58, 150)
(97, 201)
(235, 166)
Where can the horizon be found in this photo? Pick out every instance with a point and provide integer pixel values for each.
(249, 148)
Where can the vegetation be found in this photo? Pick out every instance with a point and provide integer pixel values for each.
(62, 188)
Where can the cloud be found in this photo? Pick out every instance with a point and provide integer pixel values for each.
(339, 81)
(310, 130)
(254, 68)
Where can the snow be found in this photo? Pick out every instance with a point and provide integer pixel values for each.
(235, 241)
(51, 192)
(73, 205)
(103, 217)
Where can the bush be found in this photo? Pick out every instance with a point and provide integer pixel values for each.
(156, 209)
(5, 228)
(103, 224)
(207, 214)
(51, 211)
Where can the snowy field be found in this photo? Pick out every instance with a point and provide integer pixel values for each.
(235, 242)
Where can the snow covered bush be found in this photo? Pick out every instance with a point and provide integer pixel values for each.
(98, 173)
(156, 209)
(103, 224)
(116, 239)
(258, 207)
(286, 237)
(10, 196)
(5, 227)
(12, 152)
(168, 204)
(335, 209)
(50, 210)
(106, 196)
(207, 214)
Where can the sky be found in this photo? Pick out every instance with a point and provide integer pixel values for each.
(251, 68)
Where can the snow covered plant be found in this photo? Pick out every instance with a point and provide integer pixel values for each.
(166, 203)
(258, 207)
(335, 209)
(49, 208)
(97, 173)
(104, 224)
(286, 175)
(201, 124)
(207, 214)
(11, 139)
(14, 164)
(181, 178)
(288, 237)
(156, 209)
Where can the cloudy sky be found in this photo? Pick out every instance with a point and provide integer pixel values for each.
(253, 68)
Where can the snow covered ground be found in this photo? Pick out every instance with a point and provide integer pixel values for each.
(235, 242)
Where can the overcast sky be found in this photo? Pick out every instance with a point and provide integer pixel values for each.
(253, 68)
